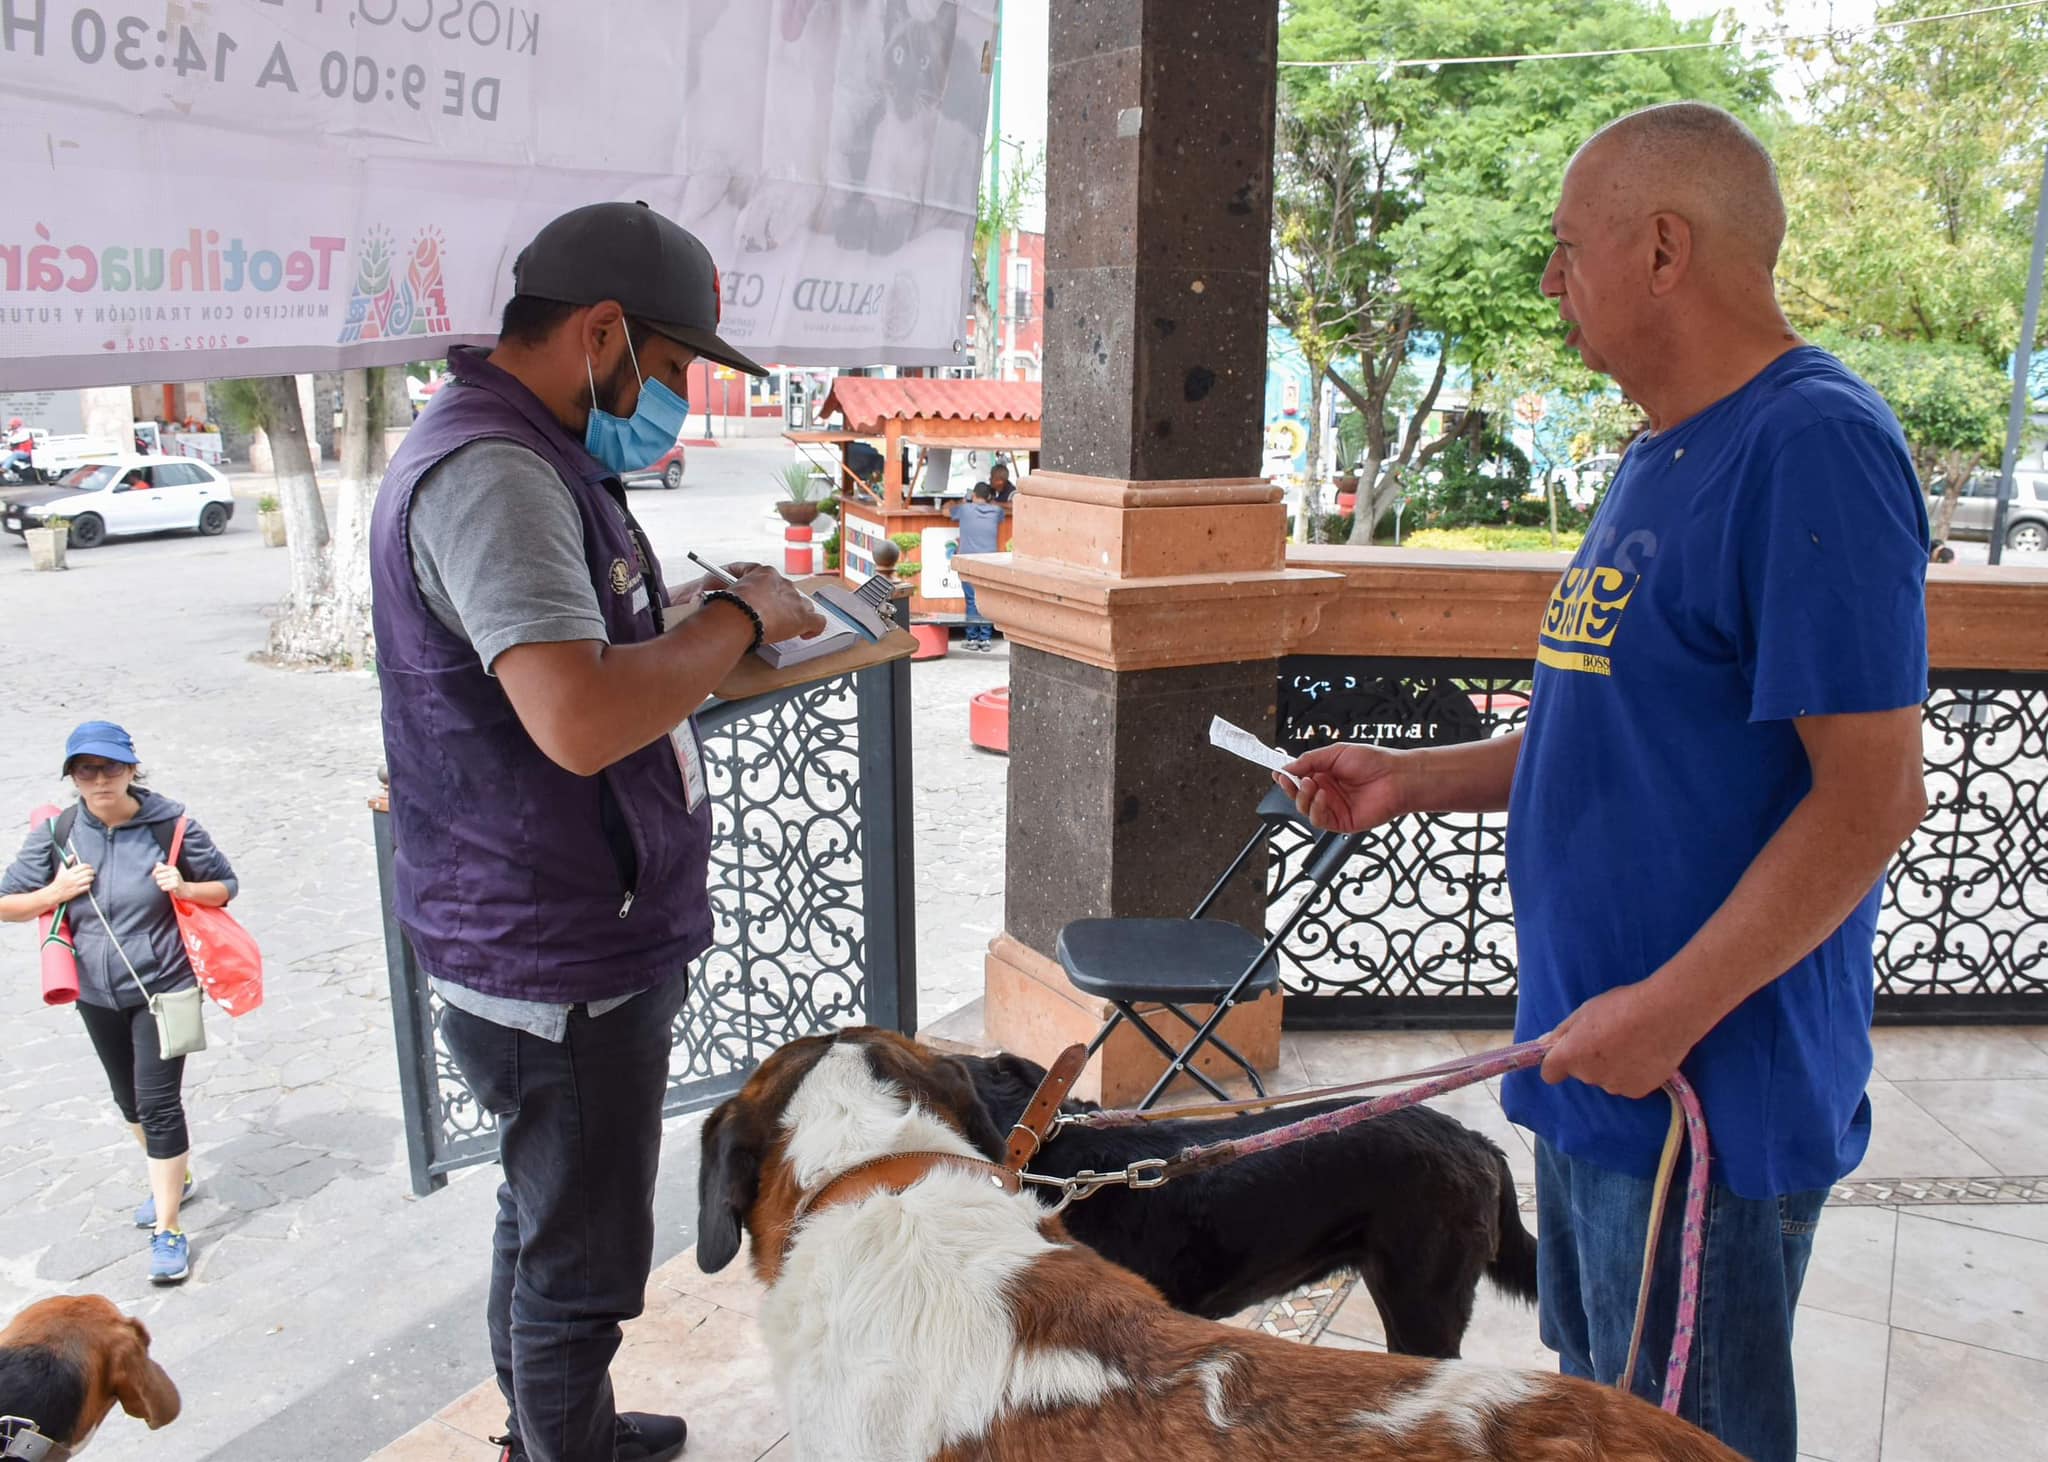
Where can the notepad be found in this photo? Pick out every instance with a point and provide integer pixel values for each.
(851, 618)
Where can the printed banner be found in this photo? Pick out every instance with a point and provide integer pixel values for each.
(254, 187)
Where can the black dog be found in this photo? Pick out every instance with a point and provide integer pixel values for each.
(1417, 1203)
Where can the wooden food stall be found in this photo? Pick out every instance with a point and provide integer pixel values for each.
(919, 424)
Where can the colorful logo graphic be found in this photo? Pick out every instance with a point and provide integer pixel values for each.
(395, 297)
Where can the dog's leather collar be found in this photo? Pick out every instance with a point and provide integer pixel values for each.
(1028, 1135)
(896, 1171)
(893, 1173)
(24, 1440)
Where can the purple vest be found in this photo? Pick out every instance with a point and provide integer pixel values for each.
(514, 876)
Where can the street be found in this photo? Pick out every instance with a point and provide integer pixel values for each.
(303, 1208)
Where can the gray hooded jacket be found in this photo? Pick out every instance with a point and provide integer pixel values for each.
(140, 912)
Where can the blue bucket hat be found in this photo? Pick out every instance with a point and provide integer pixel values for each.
(102, 739)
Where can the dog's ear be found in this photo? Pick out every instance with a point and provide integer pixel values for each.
(728, 1180)
(139, 1383)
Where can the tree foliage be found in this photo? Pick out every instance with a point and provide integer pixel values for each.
(1416, 200)
(1911, 191)
(1000, 209)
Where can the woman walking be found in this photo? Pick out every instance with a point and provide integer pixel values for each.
(111, 870)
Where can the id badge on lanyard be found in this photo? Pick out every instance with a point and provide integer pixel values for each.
(690, 757)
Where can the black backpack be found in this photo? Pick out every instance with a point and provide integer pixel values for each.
(163, 832)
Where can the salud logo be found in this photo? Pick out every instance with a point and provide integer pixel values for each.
(397, 295)
(899, 314)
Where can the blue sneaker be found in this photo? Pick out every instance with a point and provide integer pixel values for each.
(145, 1216)
(170, 1258)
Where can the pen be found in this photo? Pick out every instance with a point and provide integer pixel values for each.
(712, 569)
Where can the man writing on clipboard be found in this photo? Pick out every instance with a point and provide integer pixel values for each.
(548, 798)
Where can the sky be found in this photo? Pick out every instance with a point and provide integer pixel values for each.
(1024, 53)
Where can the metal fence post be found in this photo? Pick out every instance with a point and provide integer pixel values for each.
(411, 1024)
(888, 862)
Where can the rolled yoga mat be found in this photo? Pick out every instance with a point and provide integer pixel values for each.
(53, 937)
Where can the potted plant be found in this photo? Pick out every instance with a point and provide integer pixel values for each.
(47, 543)
(270, 519)
(801, 491)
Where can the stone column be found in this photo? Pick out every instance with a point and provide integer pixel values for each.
(1146, 589)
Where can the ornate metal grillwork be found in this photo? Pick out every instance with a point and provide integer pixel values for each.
(1420, 929)
(810, 892)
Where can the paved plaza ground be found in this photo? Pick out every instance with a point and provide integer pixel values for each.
(328, 1309)
(331, 1313)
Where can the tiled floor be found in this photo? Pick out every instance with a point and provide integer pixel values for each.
(1923, 1332)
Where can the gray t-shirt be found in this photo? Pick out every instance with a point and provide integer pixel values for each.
(497, 550)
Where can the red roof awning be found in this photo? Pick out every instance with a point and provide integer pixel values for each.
(867, 401)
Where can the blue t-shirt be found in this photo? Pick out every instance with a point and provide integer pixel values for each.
(1763, 560)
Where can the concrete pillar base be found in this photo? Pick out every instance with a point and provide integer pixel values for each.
(1033, 1010)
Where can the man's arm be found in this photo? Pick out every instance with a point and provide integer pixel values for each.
(1868, 795)
(1352, 787)
(586, 704)
(497, 549)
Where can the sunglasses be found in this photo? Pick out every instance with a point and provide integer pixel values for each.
(98, 771)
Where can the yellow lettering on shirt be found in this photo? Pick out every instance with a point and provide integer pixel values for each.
(1585, 609)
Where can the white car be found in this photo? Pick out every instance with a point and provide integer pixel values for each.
(130, 493)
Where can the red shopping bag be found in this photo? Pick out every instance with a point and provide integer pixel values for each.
(224, 955)
(53, 939)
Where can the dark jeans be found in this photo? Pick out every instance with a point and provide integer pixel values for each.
(579, 1138)
(979, 630)
(147, 1088)
(1590, 1224)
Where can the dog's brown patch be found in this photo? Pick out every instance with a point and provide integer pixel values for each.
(1274, 1399)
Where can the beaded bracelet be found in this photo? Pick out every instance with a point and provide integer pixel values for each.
(760, 630)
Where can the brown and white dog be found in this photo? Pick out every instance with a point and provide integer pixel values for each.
(921, 1309)
(64, 1362)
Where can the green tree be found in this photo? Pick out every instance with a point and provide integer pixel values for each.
(1000, 210)
(1911, 191)
(1417, 200)
(1950, 400)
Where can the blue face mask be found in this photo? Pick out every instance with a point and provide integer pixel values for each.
(630, 444)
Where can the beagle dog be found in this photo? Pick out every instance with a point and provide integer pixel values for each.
(64, 1362)
(922, 1305)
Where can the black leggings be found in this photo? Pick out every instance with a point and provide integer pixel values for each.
(146, 1086)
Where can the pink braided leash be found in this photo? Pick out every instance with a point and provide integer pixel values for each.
(1435, 1081)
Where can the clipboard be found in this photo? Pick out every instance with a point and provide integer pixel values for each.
(754, 676)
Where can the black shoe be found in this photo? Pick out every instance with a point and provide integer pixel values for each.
(645, 1437)
(637, 1436)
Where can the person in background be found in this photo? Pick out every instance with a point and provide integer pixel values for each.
(999, 485)
(981, 527)
(1721, 758)
(111, 872)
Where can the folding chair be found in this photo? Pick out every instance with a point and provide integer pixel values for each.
(1196, 960)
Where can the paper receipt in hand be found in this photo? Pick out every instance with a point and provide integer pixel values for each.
(1240, 742)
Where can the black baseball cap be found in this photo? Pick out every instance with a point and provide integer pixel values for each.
(660, 273)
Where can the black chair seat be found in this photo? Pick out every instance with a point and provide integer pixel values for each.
(1180, 960)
